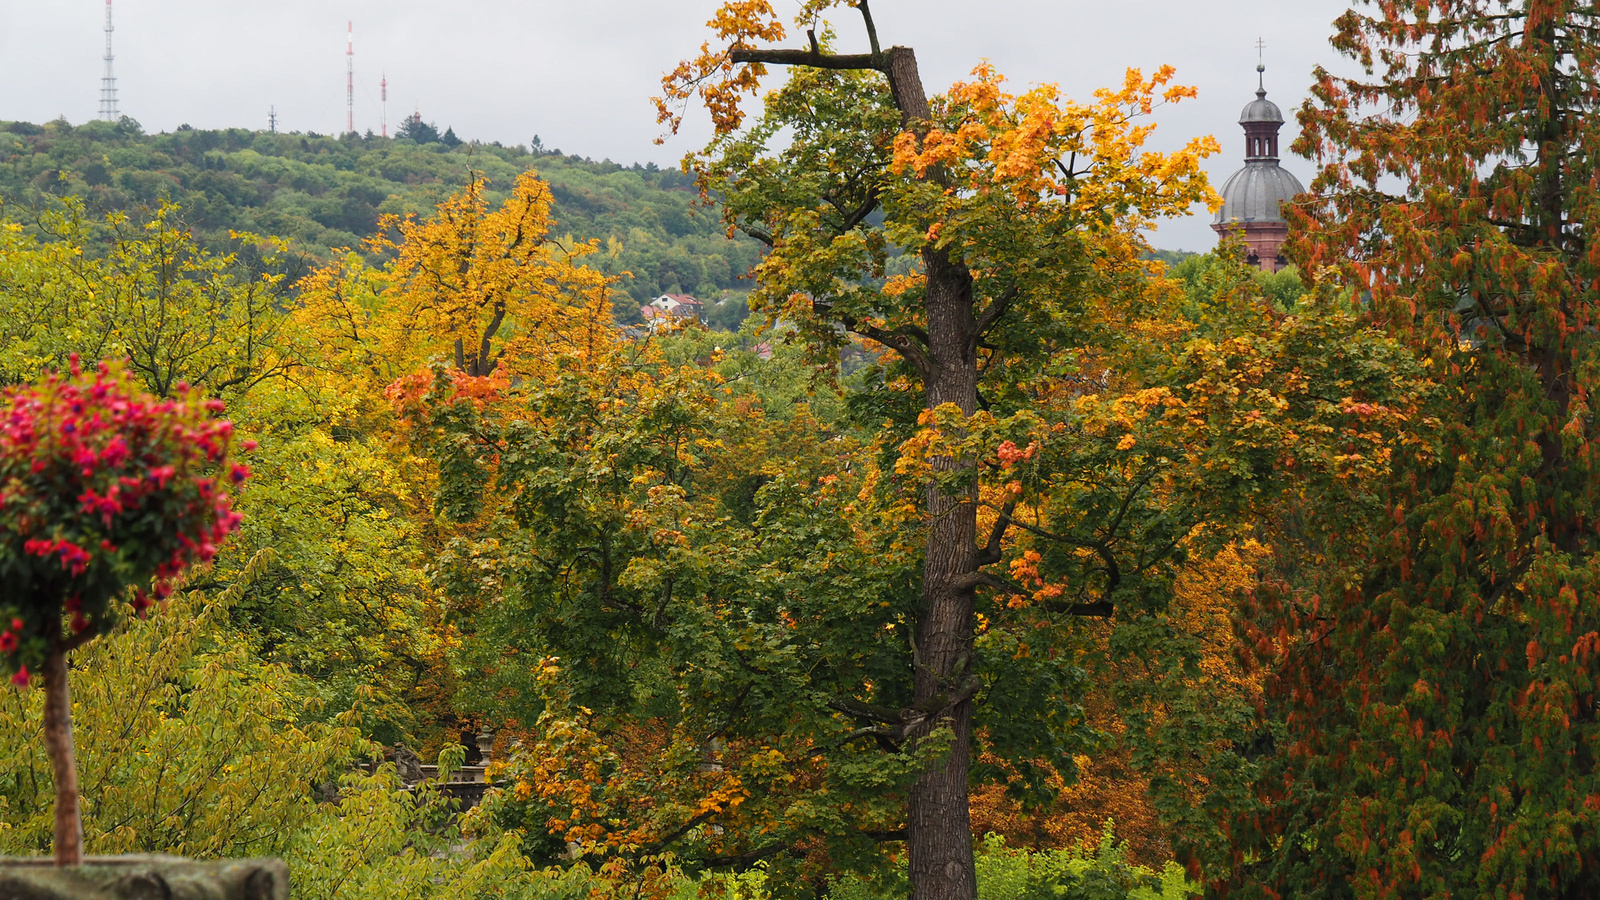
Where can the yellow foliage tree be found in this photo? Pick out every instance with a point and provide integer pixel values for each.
(489, 296)
(489, 292)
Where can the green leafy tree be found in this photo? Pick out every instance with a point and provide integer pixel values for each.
(194, 746)
(345, 599)
(667, 587)
(1004, 873)
(323, 193)
(414, 129)
(1012, 206)
(143, 292)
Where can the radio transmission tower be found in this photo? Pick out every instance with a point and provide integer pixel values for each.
(108, 81)
(349, 76)
(383, 97)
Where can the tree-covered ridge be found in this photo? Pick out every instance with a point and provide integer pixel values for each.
(322, 192)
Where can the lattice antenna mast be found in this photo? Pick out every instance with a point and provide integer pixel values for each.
(349, 76)
(383, 97)
(108, 80)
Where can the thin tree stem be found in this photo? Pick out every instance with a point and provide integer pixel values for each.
(63, 759)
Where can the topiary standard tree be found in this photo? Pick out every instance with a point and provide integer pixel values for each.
(103, 489)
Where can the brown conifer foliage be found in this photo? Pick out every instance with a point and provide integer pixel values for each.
(1438, 678)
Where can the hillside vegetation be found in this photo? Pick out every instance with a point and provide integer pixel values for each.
(321, 192)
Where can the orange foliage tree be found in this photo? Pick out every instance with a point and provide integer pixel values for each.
(1109, 782)
(1021, 213)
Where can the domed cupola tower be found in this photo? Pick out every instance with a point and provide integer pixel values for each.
(1252, 197)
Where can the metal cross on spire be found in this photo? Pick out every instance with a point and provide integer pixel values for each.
(1261, 66)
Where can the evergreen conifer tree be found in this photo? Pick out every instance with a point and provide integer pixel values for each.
(1437, 681)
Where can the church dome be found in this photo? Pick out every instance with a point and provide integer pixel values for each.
(1261, 110)
(1255, 193)
(1252, 200)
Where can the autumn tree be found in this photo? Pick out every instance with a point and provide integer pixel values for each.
(657, 564)
(472, 285)
(481, 289)
(1172, 736)
(1009, 204)
(343, 599)
(1436, 677)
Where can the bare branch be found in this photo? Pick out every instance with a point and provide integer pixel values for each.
(859, 214)
(991, 314)
(70, 644)
(872, 29)
(899, 341)
(1099, 609)
(888, 735)
(985, 579)
(990, 553)
(758, 233)
(812, 58)
(880, 714)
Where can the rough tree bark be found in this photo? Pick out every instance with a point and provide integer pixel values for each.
(939, 829)
(939, 824)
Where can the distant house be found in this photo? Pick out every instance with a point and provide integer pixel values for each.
(673, 306)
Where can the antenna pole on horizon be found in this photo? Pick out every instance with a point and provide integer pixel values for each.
(349, 76)
(108, 81)
(383, 96)
(272, 120)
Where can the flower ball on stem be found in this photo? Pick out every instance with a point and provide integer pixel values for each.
(104, 490)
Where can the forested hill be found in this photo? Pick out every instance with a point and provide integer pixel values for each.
(323, 192)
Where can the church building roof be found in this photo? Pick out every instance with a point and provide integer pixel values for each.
(1256, 193)
(1261, 110)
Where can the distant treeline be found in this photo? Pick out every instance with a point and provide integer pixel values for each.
(320, 192)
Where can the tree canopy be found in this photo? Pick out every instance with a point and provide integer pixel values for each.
(996, 554)
(320, 193)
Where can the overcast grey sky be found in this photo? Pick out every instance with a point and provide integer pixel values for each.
(580, 74)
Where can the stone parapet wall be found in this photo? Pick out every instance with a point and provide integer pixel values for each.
(144, 878)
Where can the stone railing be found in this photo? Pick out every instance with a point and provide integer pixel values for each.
(144, 878)
(466, 784)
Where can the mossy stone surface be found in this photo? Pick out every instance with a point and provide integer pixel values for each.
(144, 878)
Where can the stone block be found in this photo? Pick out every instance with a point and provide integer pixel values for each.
(144, 878)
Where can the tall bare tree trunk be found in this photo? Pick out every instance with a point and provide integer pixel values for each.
(63, 759)
(939, 822)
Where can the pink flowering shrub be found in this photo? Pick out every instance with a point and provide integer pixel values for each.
(103, 488)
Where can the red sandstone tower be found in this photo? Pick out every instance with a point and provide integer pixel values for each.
(1252, 197)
